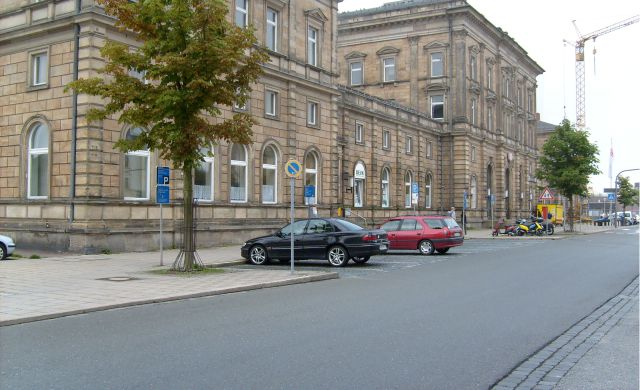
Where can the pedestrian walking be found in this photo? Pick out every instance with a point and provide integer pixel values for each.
(452, 213)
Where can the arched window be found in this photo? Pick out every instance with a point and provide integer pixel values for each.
(408, 181)
(474, 193)
(386, 176)
(428, 182)
(269, 175)
(238, 173)
(311, 174)
(203, 179)
(359, 176)
(136, 170)
(38, 180)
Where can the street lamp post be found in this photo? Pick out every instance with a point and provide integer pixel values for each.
(615, 201)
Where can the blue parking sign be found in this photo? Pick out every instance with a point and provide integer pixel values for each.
(162, 194)
(163, 175)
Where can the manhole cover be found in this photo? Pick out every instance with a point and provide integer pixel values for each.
(119, 279)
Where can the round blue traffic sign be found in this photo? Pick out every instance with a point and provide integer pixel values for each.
(293, 168)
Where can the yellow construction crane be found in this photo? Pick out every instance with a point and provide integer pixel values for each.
(579, 46)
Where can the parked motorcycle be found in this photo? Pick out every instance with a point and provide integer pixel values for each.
(522, 227)
(502, 228)
(535, 226)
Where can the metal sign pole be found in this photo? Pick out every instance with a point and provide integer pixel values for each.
(292, 218)
(161, 248)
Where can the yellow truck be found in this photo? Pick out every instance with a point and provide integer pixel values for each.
(556, 210)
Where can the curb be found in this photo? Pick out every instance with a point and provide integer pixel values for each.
(545, 368)
(298, 280)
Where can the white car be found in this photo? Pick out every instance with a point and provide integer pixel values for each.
(7, 246)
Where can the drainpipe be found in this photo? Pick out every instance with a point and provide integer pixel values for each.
(450, 115)
(74, 116)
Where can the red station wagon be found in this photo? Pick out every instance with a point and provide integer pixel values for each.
(427, 233)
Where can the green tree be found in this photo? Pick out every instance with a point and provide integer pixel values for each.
(193, 62)
(567, 160)
(627, 195)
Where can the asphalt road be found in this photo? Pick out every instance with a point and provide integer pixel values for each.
(456, 321)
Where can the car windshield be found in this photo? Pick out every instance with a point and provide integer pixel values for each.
(451, 223)
(346, 226)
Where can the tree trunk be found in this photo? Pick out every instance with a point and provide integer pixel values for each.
(571, 213)
(188, 219)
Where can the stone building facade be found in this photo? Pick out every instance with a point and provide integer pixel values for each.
(445, 59)
(63, 184)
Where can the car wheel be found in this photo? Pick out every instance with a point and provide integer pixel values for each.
(426, 247)
(360, 259)
(258, 255)
(442, 251)
(337, 256)
(3, 252)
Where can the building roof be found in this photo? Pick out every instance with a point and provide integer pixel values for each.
(545, 127)
(391, 6)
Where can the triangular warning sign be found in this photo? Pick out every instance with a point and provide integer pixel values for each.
(546, 195)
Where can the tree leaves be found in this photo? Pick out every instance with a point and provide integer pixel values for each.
(567, 161)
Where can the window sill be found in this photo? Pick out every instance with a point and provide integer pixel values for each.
(38, 87)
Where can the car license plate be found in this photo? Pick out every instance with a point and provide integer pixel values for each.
(383, 247)
(456, 235)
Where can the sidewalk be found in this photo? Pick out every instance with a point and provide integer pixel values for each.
(51, 287)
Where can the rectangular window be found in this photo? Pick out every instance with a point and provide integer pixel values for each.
(490, 118)
(356, 73)
(238, 105)
(389, 66)
(271, 103)
(136, 175)
(386, 139)
(473, 153)
(474, 110)
(437, 67)
(242, 13)
(437, 107)
(312, 46)
(519, 97)
(474, 68)
(203, 180)
(408, 145)
(359, 133)
(40, 68)
(530, 102)
(312, 113)
(272, 29)
(490, 77)
(507, 87)
(429, 149)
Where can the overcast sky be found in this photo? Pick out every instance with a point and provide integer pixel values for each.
(612, 88)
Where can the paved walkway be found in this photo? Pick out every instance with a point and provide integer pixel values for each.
(36, 289)
(66, 284)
